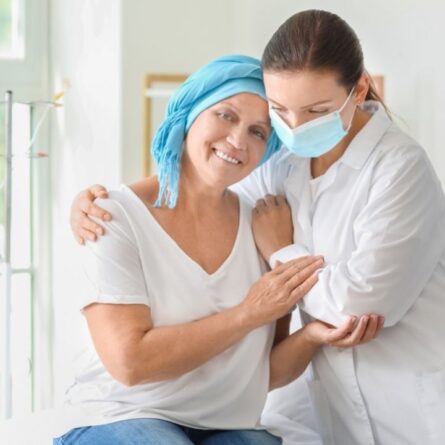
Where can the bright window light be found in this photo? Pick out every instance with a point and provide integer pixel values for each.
(12, 44)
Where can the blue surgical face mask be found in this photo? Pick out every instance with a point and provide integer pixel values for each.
(314, 138)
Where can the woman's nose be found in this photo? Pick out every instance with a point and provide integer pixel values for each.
(293, 120)
(237, 139)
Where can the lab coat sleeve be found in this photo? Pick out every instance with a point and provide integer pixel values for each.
(399, 238)
(288, 253)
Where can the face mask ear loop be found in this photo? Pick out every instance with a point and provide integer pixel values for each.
(347, 100)
(344, 105)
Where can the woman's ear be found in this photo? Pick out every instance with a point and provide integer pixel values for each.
(362, 88)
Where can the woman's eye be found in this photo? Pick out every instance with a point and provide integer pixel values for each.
(225, 116)
(318, 111)
(259, 134)
(277, 109)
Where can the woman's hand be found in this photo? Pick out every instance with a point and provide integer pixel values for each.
(82, 207)
(351, 333)
(277, 291)
(272, 225)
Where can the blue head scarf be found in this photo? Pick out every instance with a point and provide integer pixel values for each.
(214, 82)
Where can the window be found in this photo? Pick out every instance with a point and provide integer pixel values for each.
(23, 60)
(18, 339)
(11, 29)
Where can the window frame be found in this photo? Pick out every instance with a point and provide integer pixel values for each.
(29, 80)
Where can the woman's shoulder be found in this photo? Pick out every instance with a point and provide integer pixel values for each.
(397, 148)
(401, 158)
(146, 189)
(125, 210)
(127, 199)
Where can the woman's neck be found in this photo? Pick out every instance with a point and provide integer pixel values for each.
(194, 198)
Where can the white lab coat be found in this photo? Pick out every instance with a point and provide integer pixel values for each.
(378, 217)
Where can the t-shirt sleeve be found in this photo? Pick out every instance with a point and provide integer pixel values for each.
(113, 264)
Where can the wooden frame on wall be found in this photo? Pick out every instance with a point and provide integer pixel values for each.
(150, 93)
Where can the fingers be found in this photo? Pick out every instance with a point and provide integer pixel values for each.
(367, 328)
(270, 201)
(371, 329)
(294, 279)
(260, 206)
(98, 191)
(350, 339)
(84, 235)
(290, 268)
(91, 209)
(86, 229)
(296, 275)
(91, 226)
(342, 331)
(79, 239)
(300, 291)
(82, 208)
(381, 323)
(357, 334)
(358, 331)
(281, 200)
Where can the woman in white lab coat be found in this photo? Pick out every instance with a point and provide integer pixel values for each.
(364, 195)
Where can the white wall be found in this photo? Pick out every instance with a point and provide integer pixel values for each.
(169, 36)
(86, 141)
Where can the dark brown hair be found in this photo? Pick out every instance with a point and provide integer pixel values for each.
(316, 40)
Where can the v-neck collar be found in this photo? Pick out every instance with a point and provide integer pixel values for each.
(158, 227)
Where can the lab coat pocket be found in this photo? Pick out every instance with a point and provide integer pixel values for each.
(431, 393)
(322, 412)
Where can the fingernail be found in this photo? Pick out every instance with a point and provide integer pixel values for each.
(92, 237)
(99, 231)
(107, 217)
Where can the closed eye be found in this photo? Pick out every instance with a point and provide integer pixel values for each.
(318, 111)
(259, 133)
(278, 109)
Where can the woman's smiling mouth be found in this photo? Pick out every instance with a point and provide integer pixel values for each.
(220, 154)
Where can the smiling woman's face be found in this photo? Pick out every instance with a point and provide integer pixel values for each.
(227, 141)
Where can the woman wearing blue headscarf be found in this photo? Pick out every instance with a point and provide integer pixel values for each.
(181, 314)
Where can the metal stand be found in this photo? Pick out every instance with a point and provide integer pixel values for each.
(6, 270)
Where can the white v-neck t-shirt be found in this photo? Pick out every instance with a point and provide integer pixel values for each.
(137, 262)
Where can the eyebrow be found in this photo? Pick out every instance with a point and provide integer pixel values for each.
(239, 111)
